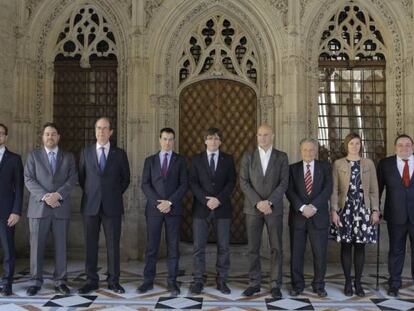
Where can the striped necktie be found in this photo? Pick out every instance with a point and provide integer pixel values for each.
(308, 180)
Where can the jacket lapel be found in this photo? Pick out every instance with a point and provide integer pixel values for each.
(172, 163)
(45, 159)
(59, 160)
(207, 164)
(271, 163)
(4, 159)
(316, 177)
(299, 172)
(110, 158)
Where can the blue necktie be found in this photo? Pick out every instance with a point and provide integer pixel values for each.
(102, 159)
(212, 163)
(52, 161)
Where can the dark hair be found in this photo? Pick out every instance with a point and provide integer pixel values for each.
(212, 131)
(167, 130)
(6, 130)
(50, 124)
(403, 136)
(106, 119)
(350, 137)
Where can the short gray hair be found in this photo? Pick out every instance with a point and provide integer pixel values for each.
(309, 140)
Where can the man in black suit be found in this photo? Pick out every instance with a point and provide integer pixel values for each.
(104, 176)
(11, 196)
(164, 183)
(310, 187)
(395, 174)
(212, 181)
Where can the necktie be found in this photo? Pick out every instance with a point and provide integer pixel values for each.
(164, 168)
(406, 174)
(52, 161)
(212, 163)
(102, 159)
(308, 179)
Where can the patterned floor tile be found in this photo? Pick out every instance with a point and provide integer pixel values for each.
(70, 301)
(179, 303)
(395, 304)
(289, 304)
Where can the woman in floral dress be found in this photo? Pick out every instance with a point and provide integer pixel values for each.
(354, 209)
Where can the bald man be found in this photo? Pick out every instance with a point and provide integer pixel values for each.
(264, 179)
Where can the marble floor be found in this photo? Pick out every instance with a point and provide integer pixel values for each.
(210, 299)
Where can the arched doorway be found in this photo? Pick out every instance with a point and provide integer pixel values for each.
(232, 107)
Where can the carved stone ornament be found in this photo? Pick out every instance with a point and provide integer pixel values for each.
(150, 8)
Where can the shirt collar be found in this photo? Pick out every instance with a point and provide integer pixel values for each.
(312, 163)
(263, 151)
(215, 152)
(410, 158)
(2, 149)
(55, 150)
(106, 146)
(162, 152)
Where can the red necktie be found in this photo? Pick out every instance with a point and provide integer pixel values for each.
(406, 174)
(308, 179)
(164, 168)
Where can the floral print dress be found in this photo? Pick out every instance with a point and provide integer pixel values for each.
(355, 216)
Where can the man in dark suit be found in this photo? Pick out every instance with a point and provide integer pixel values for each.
(164, 183)
(395, 174)
(104, 176)
(212, 181)
(50, 176)
(11, 196)
(310, 187)
(264, 179)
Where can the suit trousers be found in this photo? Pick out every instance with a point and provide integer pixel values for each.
(254, 226)
(112, 230)
(9, 257)
(397, 235)
(200, 234)
(172, 238)
(319, 240)
(39, 231)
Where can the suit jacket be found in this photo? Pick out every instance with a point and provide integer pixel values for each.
(220, 185)
(157, 187)
(341, 176)
(319, 197)
(11, 184)
(40, 180)
(399, 200)
(272, 186)
(103, 188)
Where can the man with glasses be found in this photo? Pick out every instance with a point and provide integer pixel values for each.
(11, 196)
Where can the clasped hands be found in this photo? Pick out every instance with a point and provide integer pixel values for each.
(164, 206)
(264, 206)
(212, 202)
(309, 210)
(52, 199)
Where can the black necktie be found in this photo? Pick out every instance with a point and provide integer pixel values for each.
(212, 163)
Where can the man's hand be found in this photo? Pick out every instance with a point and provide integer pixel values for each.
(375, 217)
(309, 211)
(13, 219)
(264, 207)
(164, 206)
(212, 203)
(52, 199)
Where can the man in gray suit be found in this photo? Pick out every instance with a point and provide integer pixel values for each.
(264, 179)
(50, 175)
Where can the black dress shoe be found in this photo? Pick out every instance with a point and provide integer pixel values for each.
(6, 290)
(223, 288)
(321, 292)
(116, 288)
(276, 293)
(251, 290)
(196, 288)
(348, 289)
(32, 290)
(392, 291)
(87, 288)
(295, 292)
(63, 289)
(359, 291)
(173, 288)
(146, 286)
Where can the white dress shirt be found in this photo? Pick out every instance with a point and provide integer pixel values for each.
(401, 164)
(265, 157)
(209, 153)
(2, 151)
(106, 150)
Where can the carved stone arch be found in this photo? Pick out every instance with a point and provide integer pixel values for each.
(168, 52)
(391, 31)
(44, 29)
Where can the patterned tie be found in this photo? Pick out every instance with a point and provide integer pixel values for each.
(164, 168)
(212, 164)
(308, 179)
(52, 161)
(406, 174)
(102, 159)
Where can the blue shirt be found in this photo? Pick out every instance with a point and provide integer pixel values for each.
(162, 155)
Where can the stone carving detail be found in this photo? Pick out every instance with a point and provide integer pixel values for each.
(30, 7)
(218, 47)
(86, 33)
(150, 7)
(167, 105)
(267, 104)
(408, 7)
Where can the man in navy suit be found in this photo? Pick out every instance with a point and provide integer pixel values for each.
(212, 181)
(310, 187)
(164, 183)
(103, 176)
(395, 174)
(11, 196)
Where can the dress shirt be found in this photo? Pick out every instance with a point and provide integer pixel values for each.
(162, 155)
(265, 157)
(215, 158)
(2, 151)
(312, 169)
(99, 151)
(401, 164)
